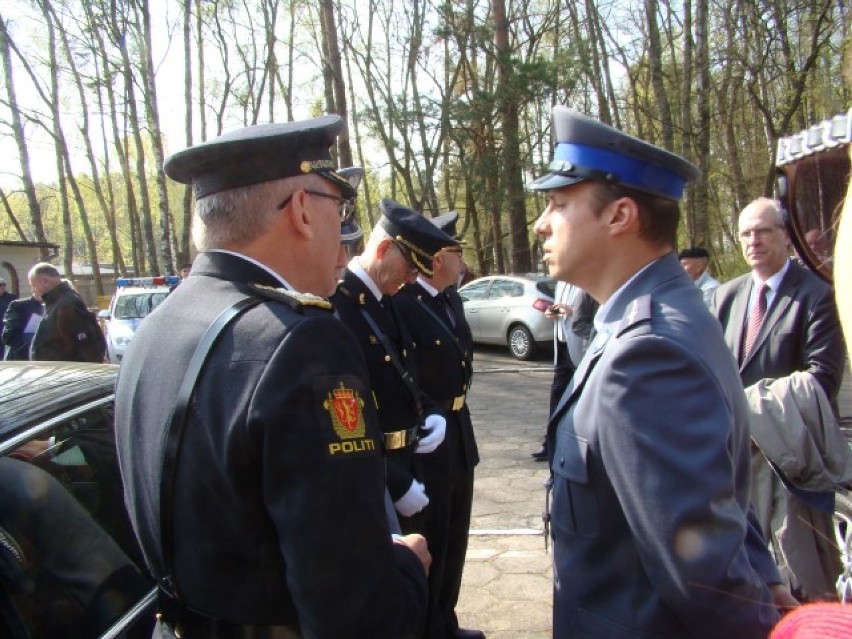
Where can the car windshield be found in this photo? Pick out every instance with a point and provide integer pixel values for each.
(137, 305)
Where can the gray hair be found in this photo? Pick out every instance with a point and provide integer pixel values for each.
(43, 268)
(376, 235)
(239, 216)
(767, 204)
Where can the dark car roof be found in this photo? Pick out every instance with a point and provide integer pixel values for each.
(31, 392)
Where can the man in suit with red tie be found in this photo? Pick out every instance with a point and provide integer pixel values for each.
(778, 319)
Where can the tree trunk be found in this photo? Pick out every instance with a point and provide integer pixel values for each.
(655, 55)
(149, 245)
(337, 83)
(508, 108)
(183, 256)
(152, 117)
(21, 139)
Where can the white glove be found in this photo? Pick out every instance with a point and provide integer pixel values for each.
(413, 501)
(436, 426)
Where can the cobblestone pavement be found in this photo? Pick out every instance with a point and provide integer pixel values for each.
(506, 590)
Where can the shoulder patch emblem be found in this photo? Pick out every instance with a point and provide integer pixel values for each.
(345, 407)
(292, 298)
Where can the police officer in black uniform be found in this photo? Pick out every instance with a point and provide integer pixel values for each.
(271, 521)
(433, 312)
(399, 247)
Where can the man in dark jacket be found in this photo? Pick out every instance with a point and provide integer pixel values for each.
(434, 315)
(6, 298)
(274, 521)
(400, 246)
(69, 331)
(20, 323)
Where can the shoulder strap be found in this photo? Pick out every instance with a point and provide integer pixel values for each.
(442, 323)
(404, 373)
(174, 437)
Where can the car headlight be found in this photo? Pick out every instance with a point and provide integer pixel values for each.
(120, 335)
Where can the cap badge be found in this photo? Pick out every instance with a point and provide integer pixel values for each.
(309, 166)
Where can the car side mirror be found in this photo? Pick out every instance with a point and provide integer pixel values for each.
(104, 314)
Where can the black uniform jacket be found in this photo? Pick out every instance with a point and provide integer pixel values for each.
(444, 356)
(279, 497)
(18, 315)
(396, 405)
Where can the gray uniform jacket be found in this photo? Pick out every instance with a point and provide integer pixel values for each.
(650, 471)
(279, 490)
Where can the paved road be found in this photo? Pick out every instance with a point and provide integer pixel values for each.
(507, 581)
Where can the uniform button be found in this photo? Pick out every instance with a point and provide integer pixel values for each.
(404, 353)
(387, 358)
(561, 461)
(437, 342)
(464, 364)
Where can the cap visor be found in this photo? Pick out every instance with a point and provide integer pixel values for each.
(553, 181)
(346, 189)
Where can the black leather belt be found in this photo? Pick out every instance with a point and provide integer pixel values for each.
(194, 625)
(453, 404)
(400, 438)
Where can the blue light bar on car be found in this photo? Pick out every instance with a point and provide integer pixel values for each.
(160, 280)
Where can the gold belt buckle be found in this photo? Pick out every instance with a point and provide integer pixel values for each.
(400, 438)
(458, 402)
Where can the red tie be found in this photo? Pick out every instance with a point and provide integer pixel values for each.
(755, 319)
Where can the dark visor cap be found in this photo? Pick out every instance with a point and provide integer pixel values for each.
(417, 235)
(260, 153)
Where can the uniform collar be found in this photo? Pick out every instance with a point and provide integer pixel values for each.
(427, 286)
(280, 279)
(359, 272)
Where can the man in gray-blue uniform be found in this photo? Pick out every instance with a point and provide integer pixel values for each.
(649, 443)
(265, 515)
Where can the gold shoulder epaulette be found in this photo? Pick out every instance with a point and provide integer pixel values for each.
(292, 298)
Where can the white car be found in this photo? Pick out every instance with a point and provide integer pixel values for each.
(509, 309)
(134, 299)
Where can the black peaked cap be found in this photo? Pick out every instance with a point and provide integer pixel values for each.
(415, 233)
(260, 153)
(693, 251)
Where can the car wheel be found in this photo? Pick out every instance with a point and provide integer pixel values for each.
(521, 343)
(843, 534)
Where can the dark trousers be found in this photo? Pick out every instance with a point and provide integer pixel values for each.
(449, 485)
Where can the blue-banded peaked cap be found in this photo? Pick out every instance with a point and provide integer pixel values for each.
(419, 237)
(260, 153)
(587, 149)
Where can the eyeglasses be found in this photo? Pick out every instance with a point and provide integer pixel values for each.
(345, 206)
(760, 232)
(414, 269)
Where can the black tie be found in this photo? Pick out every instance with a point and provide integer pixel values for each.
(445, 303)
